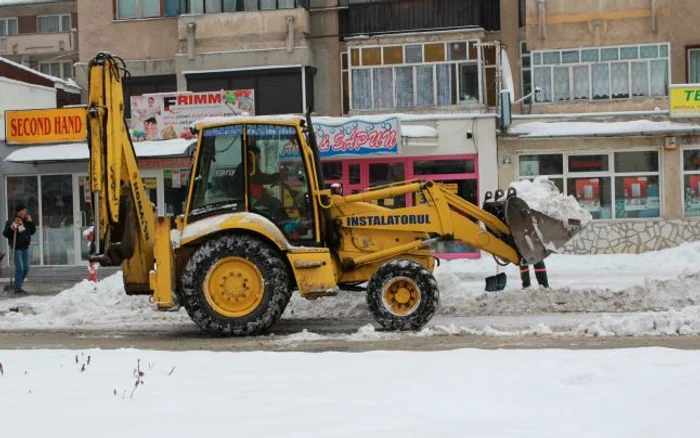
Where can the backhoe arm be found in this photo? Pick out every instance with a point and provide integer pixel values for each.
(124, 228)
(443, 214)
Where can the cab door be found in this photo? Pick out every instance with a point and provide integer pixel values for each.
(277, 181)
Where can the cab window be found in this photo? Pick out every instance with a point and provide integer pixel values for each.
(220, 163)
(277, 184)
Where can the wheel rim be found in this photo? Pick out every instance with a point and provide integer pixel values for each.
(234, 287)
(401, 296)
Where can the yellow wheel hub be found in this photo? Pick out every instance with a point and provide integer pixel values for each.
(234, 287)
(401, 296)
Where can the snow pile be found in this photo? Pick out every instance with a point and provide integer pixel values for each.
(542, 195)
(103, 304)
(551, 393)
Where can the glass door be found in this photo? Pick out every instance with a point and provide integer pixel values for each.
(57, 219)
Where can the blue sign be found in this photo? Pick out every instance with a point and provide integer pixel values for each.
(356, 136)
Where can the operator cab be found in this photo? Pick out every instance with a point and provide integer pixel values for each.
(258, 168)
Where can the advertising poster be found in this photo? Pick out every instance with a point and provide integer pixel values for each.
(588, 194)
(635, 193)
(168, 116)
(358, 137)
(692, 195)
(354, 137)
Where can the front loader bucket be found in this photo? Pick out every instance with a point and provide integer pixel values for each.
(536, 234)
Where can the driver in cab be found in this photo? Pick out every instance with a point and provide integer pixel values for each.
(257, 179)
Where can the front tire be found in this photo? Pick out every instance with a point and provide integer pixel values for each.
(235, 285)
(402, 295)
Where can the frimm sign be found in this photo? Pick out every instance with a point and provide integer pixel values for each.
(61, 125)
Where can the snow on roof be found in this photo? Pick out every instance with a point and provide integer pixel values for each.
(599, 129)
(66, 84)
(25, 2)
(79, 151)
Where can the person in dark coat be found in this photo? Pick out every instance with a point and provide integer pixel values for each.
(19, 230)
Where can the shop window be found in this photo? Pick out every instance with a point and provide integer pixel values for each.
(443, 167)
(57, 228)
(588, 163)
(25, 190)
(381, 174)
(608, 73)
(637, 196)
(691, 182)
(175, 183)
(535, 165)
(8, 26)
(354, 175)
(593, 194)
(332, 171)
(609, 185)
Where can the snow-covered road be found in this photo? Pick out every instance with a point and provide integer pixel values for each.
(652, 293)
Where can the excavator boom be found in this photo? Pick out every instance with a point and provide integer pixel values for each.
(125, 221)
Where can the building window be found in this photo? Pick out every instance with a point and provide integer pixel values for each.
(601, 73)
(131, 9)
(218, 6)
(60, 69)
(610, 185)
(344, 83)
(525, 71)
(53, 23)
(691, 182)
(693, 59)
(8, 26)
(414, 75)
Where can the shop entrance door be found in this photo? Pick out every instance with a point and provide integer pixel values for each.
(84, 210)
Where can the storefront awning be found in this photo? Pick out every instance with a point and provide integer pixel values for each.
(79, 151)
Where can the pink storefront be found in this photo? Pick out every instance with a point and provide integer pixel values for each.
(416, 155)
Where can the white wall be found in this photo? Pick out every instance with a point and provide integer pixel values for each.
(15, 95)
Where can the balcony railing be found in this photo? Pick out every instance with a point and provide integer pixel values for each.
(37, 43)
(392, 16)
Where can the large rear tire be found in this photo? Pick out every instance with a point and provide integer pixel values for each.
(402, 295)
(235, 285)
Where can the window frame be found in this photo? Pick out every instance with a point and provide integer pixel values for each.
(64, 65)
(7, 26)
(538, 64)
(525, 88)
(455, 64)
(611, 173)
(688, 50)
(60, 23)
(161, 11)
(685, 173)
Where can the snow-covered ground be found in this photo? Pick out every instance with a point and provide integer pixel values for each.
(477, 393)
(623, 294)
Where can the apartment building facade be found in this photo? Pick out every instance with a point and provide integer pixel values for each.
(41, 34)
(599, 125)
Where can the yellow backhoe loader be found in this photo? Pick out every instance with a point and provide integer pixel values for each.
(259, 223)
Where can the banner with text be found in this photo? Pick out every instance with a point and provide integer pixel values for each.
(56, 125)
(167, 116)
(357, 137)
(684, 100)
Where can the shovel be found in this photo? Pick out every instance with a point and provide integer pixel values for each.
(496, 283)
(9, 288)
